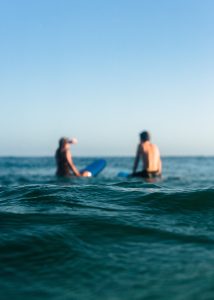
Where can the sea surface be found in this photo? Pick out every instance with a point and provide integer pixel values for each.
(109, 237)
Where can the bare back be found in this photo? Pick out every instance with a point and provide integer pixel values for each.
(150, 156)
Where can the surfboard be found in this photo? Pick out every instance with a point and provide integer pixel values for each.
(95, 167)
(150, 177)
(123, 174)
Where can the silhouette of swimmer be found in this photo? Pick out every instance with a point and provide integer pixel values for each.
(150, 155)
(64, 161)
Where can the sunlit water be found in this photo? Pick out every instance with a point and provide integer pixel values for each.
(107, 237)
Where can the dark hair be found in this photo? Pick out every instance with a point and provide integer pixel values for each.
(62, 142)
(145, 136)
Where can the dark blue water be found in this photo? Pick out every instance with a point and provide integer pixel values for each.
(106, 238)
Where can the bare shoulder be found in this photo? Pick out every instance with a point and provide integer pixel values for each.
(155, 148)
(67, 152)
(149, 147)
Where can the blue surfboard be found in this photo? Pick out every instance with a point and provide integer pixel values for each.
(96, 167)
(124, 174)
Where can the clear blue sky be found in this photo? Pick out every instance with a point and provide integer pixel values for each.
(104, 70)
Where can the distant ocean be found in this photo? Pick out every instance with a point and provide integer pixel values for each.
(106, 238)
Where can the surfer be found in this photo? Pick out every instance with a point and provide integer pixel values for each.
(64, 160)
(150, 155)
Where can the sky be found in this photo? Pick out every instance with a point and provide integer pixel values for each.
(104, 70)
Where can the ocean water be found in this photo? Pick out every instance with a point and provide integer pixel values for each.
(106, 238)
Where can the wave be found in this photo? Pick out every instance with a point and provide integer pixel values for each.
(108, 196)
(49, 233)
(114, 210)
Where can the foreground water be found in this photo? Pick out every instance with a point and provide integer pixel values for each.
(106, 237)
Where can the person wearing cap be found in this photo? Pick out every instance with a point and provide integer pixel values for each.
(64, 160)
(150, 155)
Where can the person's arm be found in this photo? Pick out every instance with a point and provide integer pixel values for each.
(159, 164)
(136, 161)
(71, 164)
(160, 167)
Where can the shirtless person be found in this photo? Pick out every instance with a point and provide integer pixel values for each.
(64, 159)
(150, 155)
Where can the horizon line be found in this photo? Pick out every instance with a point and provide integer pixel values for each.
(106, 156)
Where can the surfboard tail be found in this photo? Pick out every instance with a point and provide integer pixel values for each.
(95, 167)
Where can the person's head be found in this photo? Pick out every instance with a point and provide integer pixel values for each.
(145, 136)
(64, 141)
